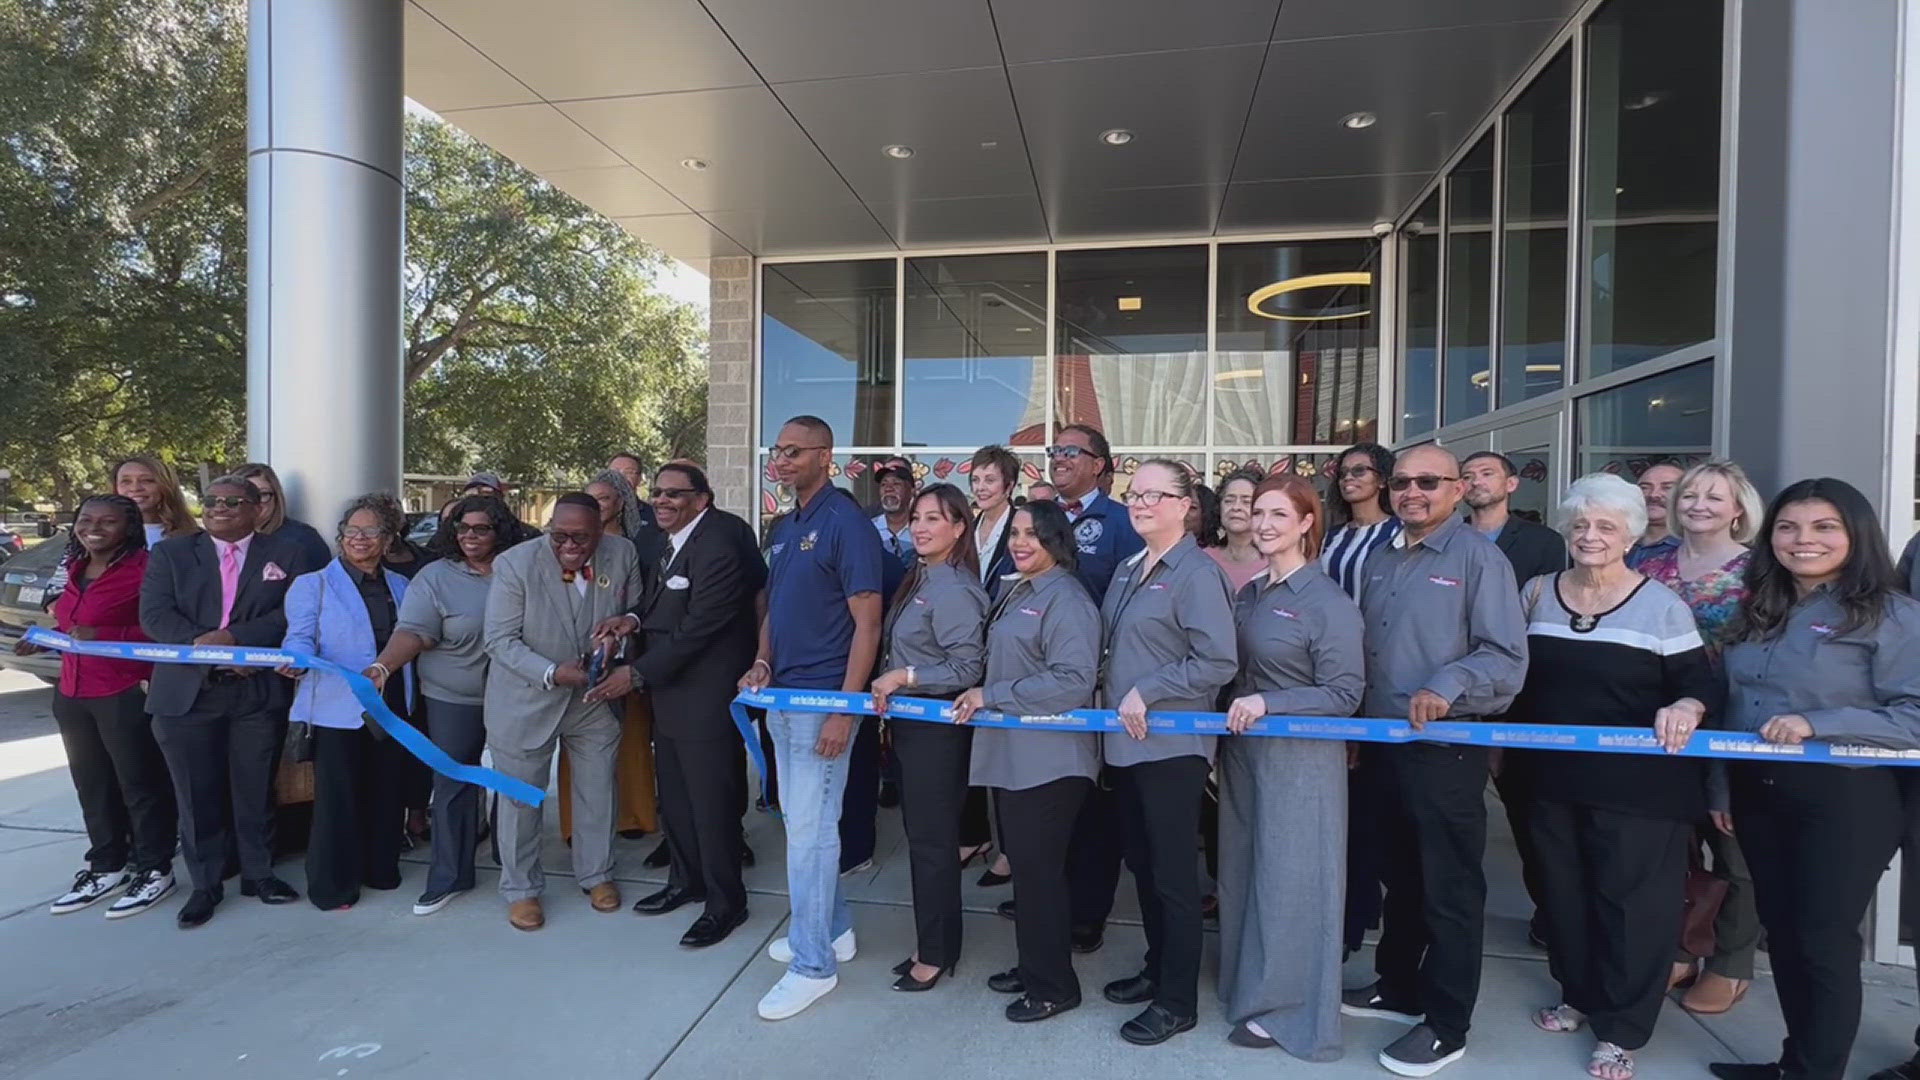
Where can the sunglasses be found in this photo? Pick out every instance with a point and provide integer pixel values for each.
(228, 502)
(1427, 483)
(574, 539)
(676, 494)
(1358, 471)
(1068, 453)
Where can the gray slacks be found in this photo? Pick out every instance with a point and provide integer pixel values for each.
(591, 734)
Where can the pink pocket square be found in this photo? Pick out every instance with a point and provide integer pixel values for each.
(272, 572)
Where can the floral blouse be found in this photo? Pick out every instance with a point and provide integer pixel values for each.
(1713, 597)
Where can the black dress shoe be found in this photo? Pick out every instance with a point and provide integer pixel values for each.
(1155, 1026)
(991, 880)
(1007, 982)
(633, 834)
(1007, 910)
(1131, 990)
(1025, 1010)
(1740, 1070)
(667, 899)
(658, 857)
(270, 890)
(199, 908)
(707, 930)
(906, 983)
(1086, 939)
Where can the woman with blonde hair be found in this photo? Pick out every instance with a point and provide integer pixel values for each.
(273, 513)
(154, 488)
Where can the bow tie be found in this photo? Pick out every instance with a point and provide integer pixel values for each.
(568, 575)
(1072, 506)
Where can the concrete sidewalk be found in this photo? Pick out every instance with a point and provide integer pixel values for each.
(297, 993)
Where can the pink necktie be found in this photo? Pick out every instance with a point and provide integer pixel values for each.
(229, 582)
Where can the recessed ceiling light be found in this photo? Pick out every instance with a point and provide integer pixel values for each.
(898, 152)
(693, 164)
(1116, 136)
(1359, 120)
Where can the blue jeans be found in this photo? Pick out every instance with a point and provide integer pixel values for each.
(811, 788)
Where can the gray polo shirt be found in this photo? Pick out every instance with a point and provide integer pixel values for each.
(1300, 645)
(939, 630)
(1043, 653)
(447, 606)
(1169, 634)
(1443, 614)
(1861, 687)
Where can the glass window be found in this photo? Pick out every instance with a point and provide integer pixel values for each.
(1420, 357)
(1297, 337)
(1131, 343)
(826, 348)
(1533, 288)
(1465, 377)
(1669, 415)
(975, 370)
(1652, 191)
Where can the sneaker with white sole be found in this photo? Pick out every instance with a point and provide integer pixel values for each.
(1420, 1053)
(149, 887)
(780, 950)
(793, 993)
(431, 902)
(1365, 1002)
(89, 888)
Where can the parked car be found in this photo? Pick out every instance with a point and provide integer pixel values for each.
(30, 582)
(421, 527)
(11, 543)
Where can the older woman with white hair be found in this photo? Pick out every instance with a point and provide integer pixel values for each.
(1611, 648)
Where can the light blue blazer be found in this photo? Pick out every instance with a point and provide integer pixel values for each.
(327, 618)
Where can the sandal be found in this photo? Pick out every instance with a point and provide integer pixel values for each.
(1610, 1062)
(1713, 994)
(1560, 1019)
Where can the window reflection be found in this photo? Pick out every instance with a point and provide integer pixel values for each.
(1130, 343)
(1667, 416)
(1533, 292)
(1311, 351)
(975, 349)
(1420, 368)
(1469, 242)
(826, 348)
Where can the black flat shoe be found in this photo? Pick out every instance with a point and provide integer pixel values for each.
(1129, 991)
(990, 880)
(1154, 1026)
(1088, 939)
(1741, 1070)
(1007, 982)
(668, 899)
(1025, 1010)
(270, 890)
(708, 930)
(658, 857)
(198, 909)
(908, 984)
(633, 834)
(1242, 1035)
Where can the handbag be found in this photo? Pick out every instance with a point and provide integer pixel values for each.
(1703, 896)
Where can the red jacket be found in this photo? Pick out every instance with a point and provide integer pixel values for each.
(110, 604)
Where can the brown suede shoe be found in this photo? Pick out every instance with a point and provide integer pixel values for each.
(526, 914)
(1714, 994)
(605, 897)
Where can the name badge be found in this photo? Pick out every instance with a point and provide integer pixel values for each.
(1284, 613)
(1822, 629)
(1035, 612)
(1157, 586)
(1451, 583)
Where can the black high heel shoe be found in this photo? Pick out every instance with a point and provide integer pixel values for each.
(908, 984)
(980, 852)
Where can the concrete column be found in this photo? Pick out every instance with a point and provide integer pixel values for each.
(324, 247)
(731, 441)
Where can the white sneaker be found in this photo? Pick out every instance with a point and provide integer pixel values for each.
(431, 902)
(780, 950)
(147, 889)
(793, 993)
(89, 888)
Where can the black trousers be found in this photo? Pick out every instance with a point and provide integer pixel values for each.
(701, 784)
(460, 730)
(860, 803)
(933, 797)
(976, 824)
(126, 797)
(222, 755)
(1162, 804)
(1038, 824)
(1436, 898)
(359, 805)
(1817, 838)
(1514, 799)
(1368, 797)
(1611, 887)
(1099, 846)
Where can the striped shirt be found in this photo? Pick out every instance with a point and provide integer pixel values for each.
(1347, 549)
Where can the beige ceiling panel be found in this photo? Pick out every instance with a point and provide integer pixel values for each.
(536, 136)
(444, 72)
(618, 192)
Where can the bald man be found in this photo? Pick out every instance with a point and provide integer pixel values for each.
(1445, 639)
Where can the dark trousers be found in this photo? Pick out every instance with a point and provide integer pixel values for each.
(460, 730)
(359, 803)
(1610, 887)
(976, 824)
(1162, 804)
(222, 755)
(1368, 797)
(1039, 827)
(860, 803)
(126, 797)
(1093, 862)
(933, 797)
(700, 783)
(1436, 898)
(1514, 798)
(1817, 838)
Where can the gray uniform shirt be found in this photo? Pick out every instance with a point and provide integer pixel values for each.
(1861, 687)
(447, 606)
(1443, 614)
(1043, 655)
(1300, 645)
(939, 630)
(1169, 634)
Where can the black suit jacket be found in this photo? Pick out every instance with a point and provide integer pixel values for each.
(180, 600)
(1532, 548)
(999, 563)
(699, 630)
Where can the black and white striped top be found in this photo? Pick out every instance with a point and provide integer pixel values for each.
(1347, 550)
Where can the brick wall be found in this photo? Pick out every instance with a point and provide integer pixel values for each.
(730, 441)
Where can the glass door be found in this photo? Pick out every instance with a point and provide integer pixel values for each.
(1537, 451)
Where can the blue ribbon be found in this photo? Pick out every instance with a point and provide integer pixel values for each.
(363, 689)
(1725, 745)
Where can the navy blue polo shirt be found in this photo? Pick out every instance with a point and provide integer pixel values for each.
(820, 554)
(1105, 537)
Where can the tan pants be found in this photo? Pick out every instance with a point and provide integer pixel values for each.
(635, 800)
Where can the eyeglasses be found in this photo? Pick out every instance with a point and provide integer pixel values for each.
(229, 502)
(1068, 453)
(675, 494)
(362, 532)
(1147, 498)
(1358, 471)
(573, 539)
(790, 453)
(461, 528)
(1427, 483)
